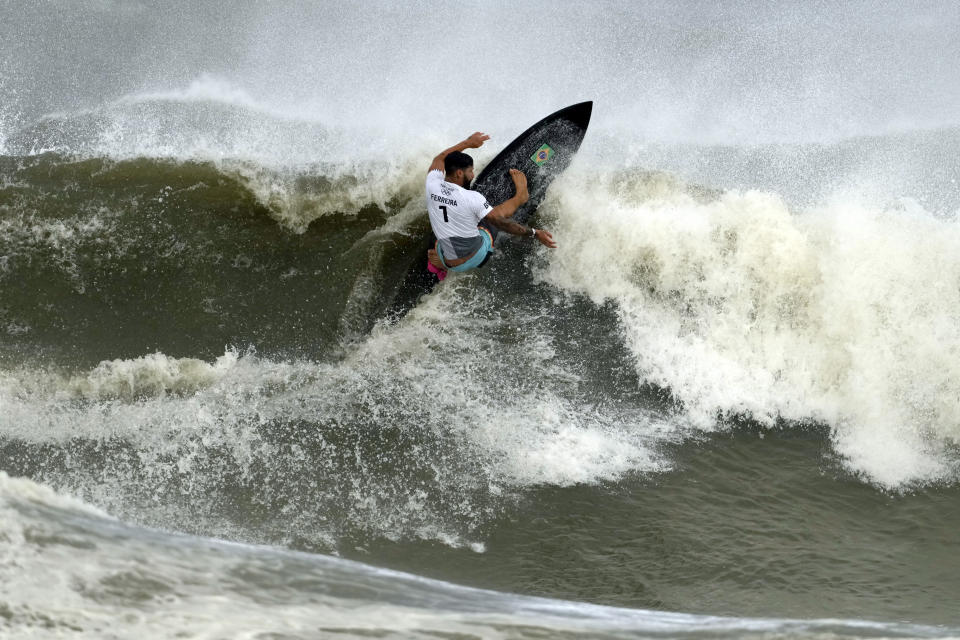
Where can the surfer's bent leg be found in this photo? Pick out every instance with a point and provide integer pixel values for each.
(477, 259)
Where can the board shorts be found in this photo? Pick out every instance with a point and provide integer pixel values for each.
(478, 259)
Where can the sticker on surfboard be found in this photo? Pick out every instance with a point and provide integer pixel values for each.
(541, 155)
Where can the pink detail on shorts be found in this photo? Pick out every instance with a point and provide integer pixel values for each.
(440, 273)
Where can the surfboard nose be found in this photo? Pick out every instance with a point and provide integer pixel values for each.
(578, 114)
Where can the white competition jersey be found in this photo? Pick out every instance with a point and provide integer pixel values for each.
(454, 215)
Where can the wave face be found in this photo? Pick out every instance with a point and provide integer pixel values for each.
(110, 258)
(732, 392)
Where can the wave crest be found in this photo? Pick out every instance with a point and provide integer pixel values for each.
(844, 314)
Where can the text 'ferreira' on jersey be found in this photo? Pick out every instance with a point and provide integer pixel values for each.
(455, 213)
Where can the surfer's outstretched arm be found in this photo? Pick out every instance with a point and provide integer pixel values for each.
(473, 142)
(500, 215)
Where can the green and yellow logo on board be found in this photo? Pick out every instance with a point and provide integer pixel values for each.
(542, 154)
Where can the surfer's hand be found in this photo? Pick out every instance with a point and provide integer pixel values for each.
(476, 140)
(546, 239)
(520, 183)
(473, 142)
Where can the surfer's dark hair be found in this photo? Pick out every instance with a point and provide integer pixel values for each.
(457, 160)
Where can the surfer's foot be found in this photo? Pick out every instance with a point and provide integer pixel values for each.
(434, 259)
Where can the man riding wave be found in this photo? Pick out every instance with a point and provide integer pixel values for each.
(461, 219)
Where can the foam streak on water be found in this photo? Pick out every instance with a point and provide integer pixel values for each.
(123, 581)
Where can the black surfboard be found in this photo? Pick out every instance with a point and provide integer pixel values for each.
(542, 152)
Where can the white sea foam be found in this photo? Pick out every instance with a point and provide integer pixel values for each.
(531, 436)
(26, 491)
(70, 570)
(183, 424)
(150, 376)
(844, 314)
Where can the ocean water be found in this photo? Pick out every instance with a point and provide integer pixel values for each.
(728, 405)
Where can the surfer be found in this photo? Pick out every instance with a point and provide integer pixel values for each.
(461, 218)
